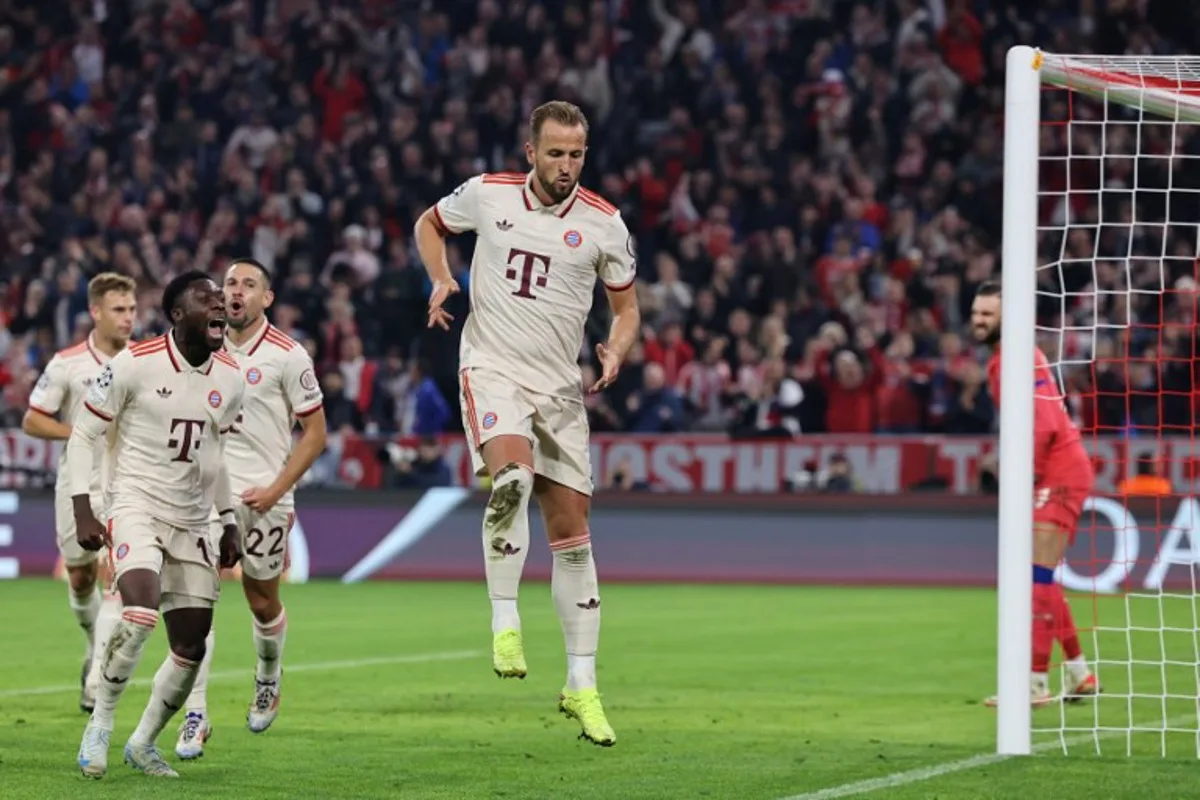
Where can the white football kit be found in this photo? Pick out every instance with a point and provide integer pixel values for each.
(60, 391)
(281, 387)
(170, 419)
(533, 279)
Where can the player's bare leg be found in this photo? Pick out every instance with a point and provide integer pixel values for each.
(270, 630)
(187, 629)
(576, 594)
(509, 461)
(83, 595)
(140, 594)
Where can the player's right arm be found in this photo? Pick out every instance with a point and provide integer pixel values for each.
(104, 403)
(45, 402)
(457, 212)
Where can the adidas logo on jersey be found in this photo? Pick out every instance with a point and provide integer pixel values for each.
(164, 393)
(504, 225)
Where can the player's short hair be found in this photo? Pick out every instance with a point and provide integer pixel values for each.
(107, 282)
(258, 265)
(178, 286)
(988, 289)
(566, 114)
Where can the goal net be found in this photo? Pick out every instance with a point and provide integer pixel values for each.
(1112, 148)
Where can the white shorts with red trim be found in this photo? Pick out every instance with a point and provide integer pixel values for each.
(556, 427)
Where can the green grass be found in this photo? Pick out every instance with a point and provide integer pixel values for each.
(729, 692)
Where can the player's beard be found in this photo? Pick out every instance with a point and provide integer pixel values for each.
(553, 192)
(992, 338)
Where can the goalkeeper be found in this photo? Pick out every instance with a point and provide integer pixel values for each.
(1063, 479)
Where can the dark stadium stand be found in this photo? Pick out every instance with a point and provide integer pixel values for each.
(814, 186)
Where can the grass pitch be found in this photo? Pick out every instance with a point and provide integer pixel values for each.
(715, 692)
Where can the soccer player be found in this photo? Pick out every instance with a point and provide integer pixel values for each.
(281, 388)
(541, 242)
(1063, 479)
(172, 399)
(59, 393)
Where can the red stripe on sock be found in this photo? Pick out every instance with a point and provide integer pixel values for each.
(1044, 616)
(146, 618)
(572, 543)
(272, 629)
(181, 662)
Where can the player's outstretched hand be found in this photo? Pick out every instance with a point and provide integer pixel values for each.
(231, 548)
(441, 293)
(610, 364)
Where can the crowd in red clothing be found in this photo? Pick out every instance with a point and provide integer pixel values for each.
(813, 188)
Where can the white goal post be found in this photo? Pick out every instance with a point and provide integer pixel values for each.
(1136, 93)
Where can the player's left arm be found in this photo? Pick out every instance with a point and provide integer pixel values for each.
(617, 270)
(304, 397)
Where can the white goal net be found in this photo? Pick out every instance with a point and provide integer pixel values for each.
(1118, 215)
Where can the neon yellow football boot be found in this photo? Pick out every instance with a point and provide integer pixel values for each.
(584, 706)
(508, 654)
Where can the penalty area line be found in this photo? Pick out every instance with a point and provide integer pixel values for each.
(922, 774)
(242, 674)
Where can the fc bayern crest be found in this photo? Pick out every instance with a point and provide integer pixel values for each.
(573, 238)
(489, 421)
(253, 375)
(122, 551)
(214, 398)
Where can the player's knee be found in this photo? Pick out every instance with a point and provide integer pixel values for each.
(512, 486)
(190, 650)
(263, 606)
(81, 579)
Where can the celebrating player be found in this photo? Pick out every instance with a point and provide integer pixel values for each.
(172, 400)
(541, 242)
(1063, 479)
(61, 390)
(280, 388)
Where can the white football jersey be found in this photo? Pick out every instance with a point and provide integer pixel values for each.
(170, 420)
(281, 387)
(533, 276)
(60, 391)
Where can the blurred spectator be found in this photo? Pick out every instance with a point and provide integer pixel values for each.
(657, 408)
(420, 468)
(422, 409)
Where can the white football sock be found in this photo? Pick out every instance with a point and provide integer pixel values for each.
(120, 658)
(1078, 669)
(85, 607)
(1039, 682)
(197, 701)
(172, 684)
(577, 599)
(506, 542)
(268, 643)
(106, 622)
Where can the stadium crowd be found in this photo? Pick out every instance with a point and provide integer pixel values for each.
(814, 187)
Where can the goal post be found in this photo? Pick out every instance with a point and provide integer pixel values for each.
(1018, 259)
(1101, 232)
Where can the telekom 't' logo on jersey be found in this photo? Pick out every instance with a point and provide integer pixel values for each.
(531, 270)
(188, 440)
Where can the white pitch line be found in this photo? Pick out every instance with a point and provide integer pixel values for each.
(315, 666)
(922, 774)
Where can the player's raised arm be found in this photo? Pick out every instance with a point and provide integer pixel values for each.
(455, 213)
(45, 402)
(618, 271)
(104, 403)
